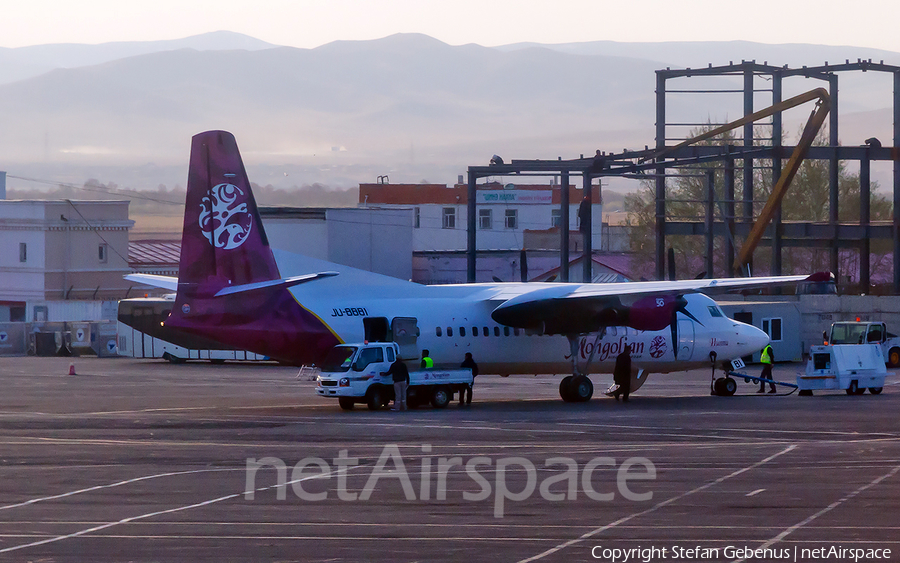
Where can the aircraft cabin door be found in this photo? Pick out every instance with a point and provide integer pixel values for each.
(405, 332)
(685, 339)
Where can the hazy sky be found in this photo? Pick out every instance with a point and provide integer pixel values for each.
(310, 23)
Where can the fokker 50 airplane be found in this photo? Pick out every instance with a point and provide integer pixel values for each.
(232, 290)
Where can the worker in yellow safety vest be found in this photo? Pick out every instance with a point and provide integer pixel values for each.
(766, 358)
(427, 362)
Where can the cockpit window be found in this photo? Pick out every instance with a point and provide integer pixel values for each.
(338, 360)
(714, 311)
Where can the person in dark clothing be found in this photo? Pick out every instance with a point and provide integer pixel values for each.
(622, 373)
(767, 358)
(468, 362)
(584, 215)
(400, 375)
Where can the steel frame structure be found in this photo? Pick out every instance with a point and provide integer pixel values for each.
(654, 163)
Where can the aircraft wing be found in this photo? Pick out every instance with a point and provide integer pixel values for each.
(580, 308)
(164, 282)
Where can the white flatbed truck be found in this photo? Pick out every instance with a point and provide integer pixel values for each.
(352, 374)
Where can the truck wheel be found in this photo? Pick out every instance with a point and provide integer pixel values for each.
(875, 390)
(855, 389)
(346, 403)
(375, 398)
(441, 397)
(894, 357)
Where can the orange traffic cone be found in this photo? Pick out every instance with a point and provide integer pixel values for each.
(72, 368)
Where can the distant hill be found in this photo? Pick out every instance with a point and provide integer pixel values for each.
(407, 105)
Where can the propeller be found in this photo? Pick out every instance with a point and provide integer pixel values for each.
(680, 307)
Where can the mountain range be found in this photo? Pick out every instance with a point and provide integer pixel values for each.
(407, 106)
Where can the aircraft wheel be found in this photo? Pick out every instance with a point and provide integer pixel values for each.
(581, 389)
(346, 403)
(729, 386)
(565, 388)
(875, 390)
(719, 387)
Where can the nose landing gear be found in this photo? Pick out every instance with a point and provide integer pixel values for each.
(722, 386)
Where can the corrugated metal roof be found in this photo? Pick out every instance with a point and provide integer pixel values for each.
(143, 253)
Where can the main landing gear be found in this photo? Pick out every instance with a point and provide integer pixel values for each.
(722, 386)
(578, 388)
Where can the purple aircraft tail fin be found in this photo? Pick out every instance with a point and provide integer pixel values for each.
(229, 288)
(223, 243)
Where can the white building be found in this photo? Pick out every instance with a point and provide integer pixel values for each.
(374, 239)
(440, 212)
(60, 251)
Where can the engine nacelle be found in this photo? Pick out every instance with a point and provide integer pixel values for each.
(654, 312)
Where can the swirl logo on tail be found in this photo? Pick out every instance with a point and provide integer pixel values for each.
(224, 218)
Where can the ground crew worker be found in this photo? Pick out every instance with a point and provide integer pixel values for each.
(468, 362)
(427, 362)
(400, 375)
(622, 374)
(766, 358)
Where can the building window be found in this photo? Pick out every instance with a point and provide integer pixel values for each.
(449, 221)
(772, 327)
(23, 252)
(512, 218)
(102, 252)
(418, 222)
(555, 217)
(485, 219)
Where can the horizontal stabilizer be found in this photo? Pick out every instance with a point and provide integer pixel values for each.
(272, 284)
(164, 282)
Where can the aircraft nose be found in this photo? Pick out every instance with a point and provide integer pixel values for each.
(754, 337)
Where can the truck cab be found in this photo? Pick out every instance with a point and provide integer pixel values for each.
(353, 373)
(866, 332)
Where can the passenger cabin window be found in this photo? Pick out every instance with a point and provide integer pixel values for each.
(485, 331)
(449, 331)
(462, 331)
(437, 331)
(474, 331)
(496, 331)
(516, 331)
(506, 331)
